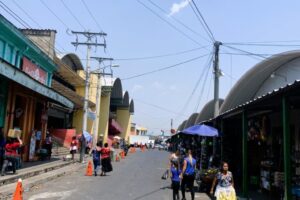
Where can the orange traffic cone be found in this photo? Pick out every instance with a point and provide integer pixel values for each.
(89, 169)
(19, 190)
(117, 158)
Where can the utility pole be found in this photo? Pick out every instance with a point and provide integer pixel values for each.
(217, 74)
(98, 98)
(89, 43)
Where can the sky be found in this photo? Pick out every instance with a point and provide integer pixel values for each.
(140, 29)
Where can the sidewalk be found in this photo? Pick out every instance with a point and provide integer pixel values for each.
(35, 173)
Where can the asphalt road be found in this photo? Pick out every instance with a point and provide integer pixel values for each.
(138, 177)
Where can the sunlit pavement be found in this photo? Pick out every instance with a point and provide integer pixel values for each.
(138, 177)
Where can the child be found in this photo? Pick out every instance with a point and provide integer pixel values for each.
(96, 152)
(175, 172)
(73, 147)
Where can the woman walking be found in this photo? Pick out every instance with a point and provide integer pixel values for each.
(11, 154)
(96, 152)
(188, 175)
(175, 173)
(225, 188)
(105, 160)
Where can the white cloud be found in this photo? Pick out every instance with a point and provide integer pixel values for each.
(176, 7)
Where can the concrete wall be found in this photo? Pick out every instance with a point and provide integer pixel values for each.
(104, 117)
(124, 119)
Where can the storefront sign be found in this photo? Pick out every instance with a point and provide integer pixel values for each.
(23, 79)
(34, 71)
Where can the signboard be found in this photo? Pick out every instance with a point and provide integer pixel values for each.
(91, 115)
(34, 71)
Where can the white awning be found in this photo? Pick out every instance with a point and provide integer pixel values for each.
(23, 79)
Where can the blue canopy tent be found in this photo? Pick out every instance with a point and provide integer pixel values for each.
(201, 130)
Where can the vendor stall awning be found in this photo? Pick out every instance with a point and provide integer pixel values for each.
(114, 127)
(23, 79)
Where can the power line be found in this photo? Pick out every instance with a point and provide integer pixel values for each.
(178, 21)
(196, 85)
(160, 56)
(203, 86)
(244, 51)
(170, 24)
(203, 22)
(53, 13)
(91, 14)
(74, 16)
(165, 68)
(37, 24)
(261, 44)
(156, 106)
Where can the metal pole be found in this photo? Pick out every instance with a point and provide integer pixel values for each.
(245, 154)
(286, 149)
(216, 88)
(86, 100)
(98, 100)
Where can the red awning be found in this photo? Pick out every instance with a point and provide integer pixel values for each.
(114, 127)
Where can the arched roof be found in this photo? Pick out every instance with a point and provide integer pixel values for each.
(191, 120)
(72, 60)
(181, 126)
(117, 91)
(126, 99)
(131, 106)
(249, 85)
(207, 111)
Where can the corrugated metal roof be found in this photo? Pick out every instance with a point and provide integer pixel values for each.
(249, 84)
(276, 91)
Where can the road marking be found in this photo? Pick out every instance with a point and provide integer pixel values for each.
(45, 195)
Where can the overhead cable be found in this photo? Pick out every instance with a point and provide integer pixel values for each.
(91, 14)
(165, 68)
(202, 20)
(53, 13)
(73, 15)
(170, 24)
(178, 21)
(160, 56)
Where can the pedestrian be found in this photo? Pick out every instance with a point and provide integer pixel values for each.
(11, 154)
(96, 153)
(48, 145)
(73, 147)
(105, 160)
(175, 173)
(188, 174)
(225, 187)
(2, 147)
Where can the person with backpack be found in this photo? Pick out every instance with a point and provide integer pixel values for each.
(175, 177)
(96, 153)
(188, 174)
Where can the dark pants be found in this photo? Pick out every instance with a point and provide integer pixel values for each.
(175, 187)
(8, 159)
(96, 165)
(188, 180)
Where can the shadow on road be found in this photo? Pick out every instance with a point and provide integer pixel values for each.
(152, 192)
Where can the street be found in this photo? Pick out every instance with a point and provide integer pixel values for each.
(138, 177)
